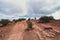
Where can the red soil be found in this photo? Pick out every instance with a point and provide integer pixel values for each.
(17, 31)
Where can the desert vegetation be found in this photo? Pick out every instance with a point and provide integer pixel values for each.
(46, 19)
(29, 24)
(4, 21)
(17, 20)
(43, 19)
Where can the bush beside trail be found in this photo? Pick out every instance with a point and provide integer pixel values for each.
(29, 24)
(19, 20)
(4, 22)
(45, 19)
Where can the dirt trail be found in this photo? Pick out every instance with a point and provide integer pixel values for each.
(5, 31)
(30, 35)
(17, 31)
(45, 34)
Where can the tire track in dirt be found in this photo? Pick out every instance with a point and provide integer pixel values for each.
(30, 35)
(39, 32)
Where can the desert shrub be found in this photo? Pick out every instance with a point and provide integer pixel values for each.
(51, 18)
(4, 21)
(19, 20)
(29, 25)
(14, 20)
(46, 19)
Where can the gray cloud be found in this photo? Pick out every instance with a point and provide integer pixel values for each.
(31, 8)
(36, 9)
(8, 9)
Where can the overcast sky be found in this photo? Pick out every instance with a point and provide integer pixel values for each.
(29, 8)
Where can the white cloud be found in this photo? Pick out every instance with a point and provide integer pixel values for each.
(12, 5)
(43, 7)
(56, 15)
(50, 4)
(4, 16)
(20, 3)
(16, 8)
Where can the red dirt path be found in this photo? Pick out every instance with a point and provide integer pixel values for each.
(16, 31)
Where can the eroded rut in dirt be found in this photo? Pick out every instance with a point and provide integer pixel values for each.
(47, 34)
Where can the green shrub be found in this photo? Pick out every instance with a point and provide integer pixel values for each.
(19, 20)
(14, 20)
(51, 18)
(45, 19)
(29, 25)
(4, 21)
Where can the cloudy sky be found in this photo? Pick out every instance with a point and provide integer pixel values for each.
(13, 9)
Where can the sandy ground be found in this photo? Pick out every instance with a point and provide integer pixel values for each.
(17, 31)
